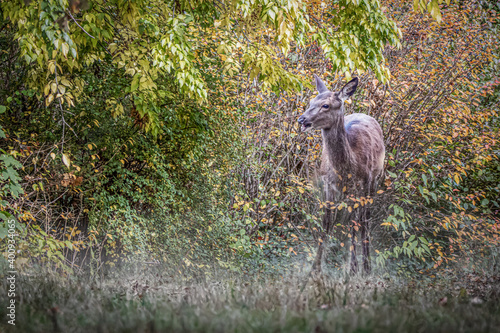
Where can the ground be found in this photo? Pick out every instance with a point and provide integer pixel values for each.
(149, 300)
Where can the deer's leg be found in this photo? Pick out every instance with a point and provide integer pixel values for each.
(327, 224)
(324, 235)
(365, 240)
(365, 220)
(354, 260)
(316, 268)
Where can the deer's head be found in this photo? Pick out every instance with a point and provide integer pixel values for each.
(327, 109)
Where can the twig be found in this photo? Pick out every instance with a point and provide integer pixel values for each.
(62, 110)
(79, 25)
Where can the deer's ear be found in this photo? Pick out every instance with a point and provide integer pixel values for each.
(320, 86)
(349, 89)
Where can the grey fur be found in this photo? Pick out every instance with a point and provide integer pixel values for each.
(353, 152)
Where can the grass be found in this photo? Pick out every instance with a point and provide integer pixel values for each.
(150, 301)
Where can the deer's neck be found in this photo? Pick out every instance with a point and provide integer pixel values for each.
(336, 150)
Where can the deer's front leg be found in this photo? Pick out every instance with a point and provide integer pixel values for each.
(325, 222)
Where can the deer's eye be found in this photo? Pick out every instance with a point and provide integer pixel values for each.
(326, 106)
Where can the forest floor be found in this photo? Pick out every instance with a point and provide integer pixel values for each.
(149, 301)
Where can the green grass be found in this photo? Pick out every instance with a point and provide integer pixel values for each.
(153, 302)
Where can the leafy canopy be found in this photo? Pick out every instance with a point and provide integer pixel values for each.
(152, 41)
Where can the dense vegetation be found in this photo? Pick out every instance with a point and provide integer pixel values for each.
(165, 132)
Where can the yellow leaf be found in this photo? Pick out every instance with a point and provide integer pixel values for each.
(49, 100)
(65, 82)
(456, 178)
(65, 49)
(51, 67)
(90, 146)
(53, 156)
(66, 160)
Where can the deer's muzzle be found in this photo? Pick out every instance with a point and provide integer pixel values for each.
(305, 123)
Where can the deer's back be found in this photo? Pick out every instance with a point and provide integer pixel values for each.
(366, 140)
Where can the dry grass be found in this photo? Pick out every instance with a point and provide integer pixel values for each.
(150, 301)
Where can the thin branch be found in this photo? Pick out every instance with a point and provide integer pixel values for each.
(68, 12)
(62, 110)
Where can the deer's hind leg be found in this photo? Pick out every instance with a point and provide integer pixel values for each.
(365, 238)
(354, 218)
(354, 260)
(365, 220)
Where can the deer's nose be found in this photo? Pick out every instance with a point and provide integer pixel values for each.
(301, 119)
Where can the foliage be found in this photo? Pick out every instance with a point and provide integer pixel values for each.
(9, 176)
(125, 115)
(149, 41)
(167, 129)
(443, 138)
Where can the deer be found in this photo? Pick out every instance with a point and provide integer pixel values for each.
(352, 157)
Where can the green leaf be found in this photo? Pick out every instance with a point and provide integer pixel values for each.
(135, 83)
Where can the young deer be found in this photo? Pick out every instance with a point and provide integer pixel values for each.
(353, 157)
